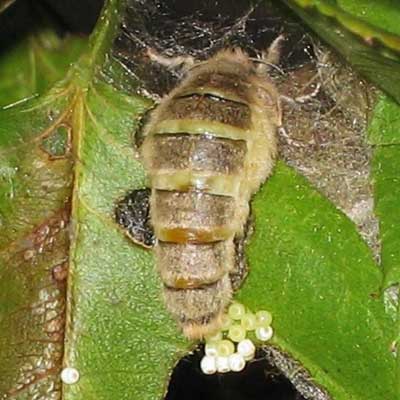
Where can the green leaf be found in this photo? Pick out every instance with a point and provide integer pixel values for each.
(35, 64)
(384, 127)
(312, 270)
(122, 341)
(386, 172)
(384, 133)
(34, 192)
(364, 39)
(65, 160)
(383, 14)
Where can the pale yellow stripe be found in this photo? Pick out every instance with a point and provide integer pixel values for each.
(224, 185)
(205, 127)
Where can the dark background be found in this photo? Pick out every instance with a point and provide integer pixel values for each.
(77, 16)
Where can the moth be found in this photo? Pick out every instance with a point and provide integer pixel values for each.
(207, 148)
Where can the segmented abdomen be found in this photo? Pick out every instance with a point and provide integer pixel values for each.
(198, 153)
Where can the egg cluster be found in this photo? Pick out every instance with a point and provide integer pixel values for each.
(229, 349)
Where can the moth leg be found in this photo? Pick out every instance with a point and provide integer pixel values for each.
(282, 132)
(241, 269)
(302, 99)
(270, 58)
(132, 214)
(183, 62)
(273, 54)
(139, 136)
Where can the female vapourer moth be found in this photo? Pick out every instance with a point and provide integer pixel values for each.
(207, 148)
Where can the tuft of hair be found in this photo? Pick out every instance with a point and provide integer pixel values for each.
(233, 54)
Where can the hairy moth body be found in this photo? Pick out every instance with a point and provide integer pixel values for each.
(208, 147)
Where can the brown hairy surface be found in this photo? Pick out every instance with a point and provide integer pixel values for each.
(195, 224)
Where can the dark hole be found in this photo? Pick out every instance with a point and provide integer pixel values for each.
(259, 380)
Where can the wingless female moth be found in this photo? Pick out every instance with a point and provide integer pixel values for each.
(207, 148)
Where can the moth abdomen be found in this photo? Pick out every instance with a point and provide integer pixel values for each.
(197, 217)
(208, 146)
(204, 106)
(183, 151)
(199, 309)
(187, 266)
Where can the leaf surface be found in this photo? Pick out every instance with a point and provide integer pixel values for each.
(66, 159)
(36, 63)
(384, 133)
(34, 213)
(310, 267)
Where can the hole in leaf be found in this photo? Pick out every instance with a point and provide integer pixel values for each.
(56, 143)
(258, 381)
